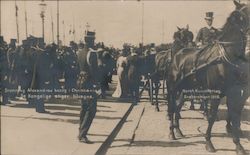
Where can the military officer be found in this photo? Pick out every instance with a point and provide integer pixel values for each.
(87, 80)
(207, 34)
(3, 70)
(40, 75)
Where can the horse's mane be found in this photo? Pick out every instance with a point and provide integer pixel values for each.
(228, 25)
(229, 22)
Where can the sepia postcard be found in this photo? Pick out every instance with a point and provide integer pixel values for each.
(125, 77)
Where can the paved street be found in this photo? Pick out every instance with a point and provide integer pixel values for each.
(151, 136)
(25, 132)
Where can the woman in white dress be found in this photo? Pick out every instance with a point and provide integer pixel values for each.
(121, 88)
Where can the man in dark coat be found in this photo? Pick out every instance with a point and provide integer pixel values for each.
(134, 75)
(40, 76)
(23, 65)
(207, 34)
(88, 80)
(71, 68)
(4, 70)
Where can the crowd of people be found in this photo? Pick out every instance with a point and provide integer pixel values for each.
(35, 65)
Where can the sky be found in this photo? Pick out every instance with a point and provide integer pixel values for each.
(115, 22)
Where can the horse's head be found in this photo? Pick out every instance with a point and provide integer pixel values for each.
(184, 36)
(241, 18)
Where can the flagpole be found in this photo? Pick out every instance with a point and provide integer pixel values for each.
(52, 26)
(26, 24)
(74, 28)
(17, 26)
(63, 32)
(163, 32)
(57, 22)
(142, 33)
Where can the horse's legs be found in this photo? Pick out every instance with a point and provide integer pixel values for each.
(228, 119)
(151, 91)
(171, 111)
(148, 87)
(204, 108)
(180, 103)
(234, 111)
(163, 88)
(157, 87)
(211, 119)
(171, 127)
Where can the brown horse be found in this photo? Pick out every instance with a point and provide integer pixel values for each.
(183, 38)
(212, 69)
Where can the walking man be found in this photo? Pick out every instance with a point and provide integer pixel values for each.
(87, 60)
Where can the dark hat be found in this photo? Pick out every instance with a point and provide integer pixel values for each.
(25, 42)
(13, 40)
(40, 40)
(90, 34)
(50, 47)
(72, 43)
(209, 16)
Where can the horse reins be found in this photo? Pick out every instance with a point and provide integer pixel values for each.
(223, 55)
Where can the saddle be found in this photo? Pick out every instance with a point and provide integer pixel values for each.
(189, 61)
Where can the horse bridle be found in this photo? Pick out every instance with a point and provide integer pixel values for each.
(222, 51)
(244, 15)
(223, 56)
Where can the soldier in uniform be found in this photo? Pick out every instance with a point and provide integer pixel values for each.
(3, 70)
(11, 51)
(87, 80)
(40, 75)
(8, 52)
(207, 34)
(11, 57)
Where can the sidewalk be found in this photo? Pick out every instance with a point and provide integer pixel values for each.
(25, 132)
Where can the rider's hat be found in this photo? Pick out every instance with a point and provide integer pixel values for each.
(209, 16)
(90, 34)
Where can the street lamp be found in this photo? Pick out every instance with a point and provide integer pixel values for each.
(43, 9)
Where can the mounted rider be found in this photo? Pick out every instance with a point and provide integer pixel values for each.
(205, 37)
(208, 34)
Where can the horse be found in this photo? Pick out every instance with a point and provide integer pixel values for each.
(107, 68)
(160, 62)
(211, 68)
